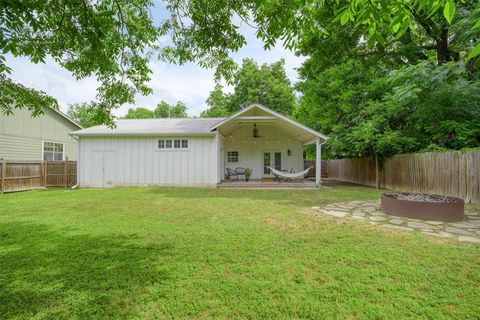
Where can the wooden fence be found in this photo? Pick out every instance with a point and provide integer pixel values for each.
(28, 175)
(447, 173)
(311, 173)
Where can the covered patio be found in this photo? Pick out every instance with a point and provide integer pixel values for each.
(257, 139)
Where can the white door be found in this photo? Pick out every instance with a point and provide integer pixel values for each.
(103, 168)
(271, 159)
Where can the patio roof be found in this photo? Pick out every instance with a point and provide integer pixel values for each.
(259, 114)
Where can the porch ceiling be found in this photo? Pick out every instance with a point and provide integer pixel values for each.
(294, 132)
(262, 117)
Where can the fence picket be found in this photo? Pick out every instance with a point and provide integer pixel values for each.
(448, 173)
(28, 175)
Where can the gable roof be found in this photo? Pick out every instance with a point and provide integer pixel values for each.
(170, 126)
(274, 113)
(63, 115)
(186, 126)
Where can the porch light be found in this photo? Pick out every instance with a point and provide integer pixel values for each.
(289, 153)
(255, 130)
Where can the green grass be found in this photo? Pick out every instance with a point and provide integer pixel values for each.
(151, 253)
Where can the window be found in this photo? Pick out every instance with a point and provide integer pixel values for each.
(173, 143)
(53, 151)
(232, 156)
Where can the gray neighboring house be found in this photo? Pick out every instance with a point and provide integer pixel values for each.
(46, 137)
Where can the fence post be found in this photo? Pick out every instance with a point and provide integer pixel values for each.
(2, 176)
(65, 172)
(45, 174)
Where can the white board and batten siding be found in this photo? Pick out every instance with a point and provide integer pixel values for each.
(137, 161)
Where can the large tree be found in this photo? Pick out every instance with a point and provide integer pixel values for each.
(267, 84)
(107, 39)
(139, 113)
(217, 103)
(87, 114)
(166, 110)
(113, 40)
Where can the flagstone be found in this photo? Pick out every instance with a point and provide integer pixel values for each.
(459, 231)
(434, 222)
(418, 225)
(396, 221)
(469, 239)
(370, 211)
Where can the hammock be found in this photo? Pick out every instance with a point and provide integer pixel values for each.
(287, 175)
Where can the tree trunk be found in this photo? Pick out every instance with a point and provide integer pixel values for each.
(443, 53)
(377, 172)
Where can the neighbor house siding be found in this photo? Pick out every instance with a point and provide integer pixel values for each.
(136, 161)
(21, 135)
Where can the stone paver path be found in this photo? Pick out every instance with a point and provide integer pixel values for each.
(369, 211)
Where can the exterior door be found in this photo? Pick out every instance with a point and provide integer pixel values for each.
(103, 168)
(271, 159)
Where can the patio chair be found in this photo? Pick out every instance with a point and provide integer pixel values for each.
(231, 174)
(240, 172)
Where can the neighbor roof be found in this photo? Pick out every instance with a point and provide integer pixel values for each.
(173, 126)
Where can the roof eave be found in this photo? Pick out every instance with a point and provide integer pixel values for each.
(281, 116)
(79, 134)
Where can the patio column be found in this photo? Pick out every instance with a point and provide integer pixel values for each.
(318, 163)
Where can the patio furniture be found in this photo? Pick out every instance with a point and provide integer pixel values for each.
(240, 172)
(289, 176)
(276, 177)
(231, 174)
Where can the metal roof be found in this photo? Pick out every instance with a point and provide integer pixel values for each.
(172, 126)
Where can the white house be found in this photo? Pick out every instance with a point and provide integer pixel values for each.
(192, 151)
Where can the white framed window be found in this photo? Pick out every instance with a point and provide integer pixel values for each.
(232, 156)
(177, 143)
(53, 151)
(172, 144)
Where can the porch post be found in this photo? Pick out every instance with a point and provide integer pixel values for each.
(318, 162)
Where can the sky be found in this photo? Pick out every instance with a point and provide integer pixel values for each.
(188, 83)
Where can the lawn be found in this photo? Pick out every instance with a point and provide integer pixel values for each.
(152, 253)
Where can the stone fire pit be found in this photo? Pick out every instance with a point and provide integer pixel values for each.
(423, 206)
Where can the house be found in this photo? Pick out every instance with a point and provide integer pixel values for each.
(192, 151)
(46, 137)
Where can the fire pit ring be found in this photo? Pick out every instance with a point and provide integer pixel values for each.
(423, 206)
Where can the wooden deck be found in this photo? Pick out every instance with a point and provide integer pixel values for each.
(266, 184)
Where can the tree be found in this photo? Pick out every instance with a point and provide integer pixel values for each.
(108, 39)
(267, 84)
(217, 102)
(380, 22)
(166, 110)
(114, 39)
(139, 113)
(438, 106)
(87, 114)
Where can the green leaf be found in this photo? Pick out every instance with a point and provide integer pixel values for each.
(345, 17)
(396, 26)
(476, 25)
(449, 10)
(475, 52)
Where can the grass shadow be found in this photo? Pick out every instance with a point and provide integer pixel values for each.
(331, 192)
(51, 274)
